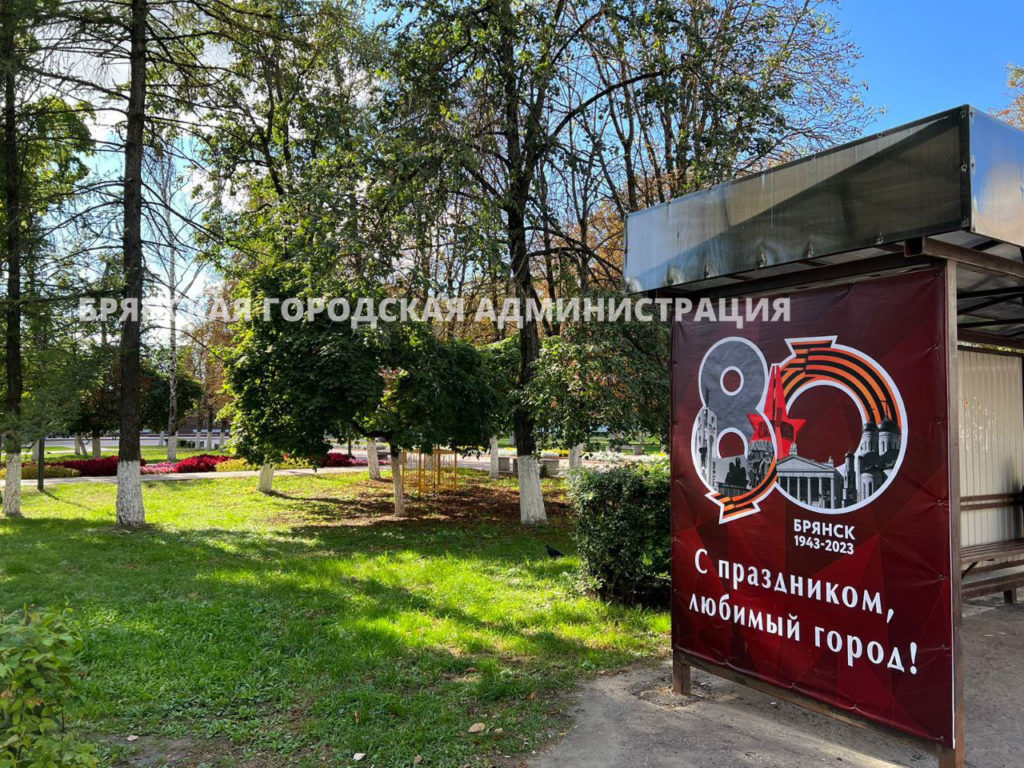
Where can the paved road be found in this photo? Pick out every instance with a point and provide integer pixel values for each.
(633, 718)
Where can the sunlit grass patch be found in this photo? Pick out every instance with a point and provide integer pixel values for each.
(312, 623)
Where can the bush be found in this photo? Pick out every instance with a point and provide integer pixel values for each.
(30, 471)
(234, 465)
(38, 650)
(623, 531)
(203, 462)
(105, 467)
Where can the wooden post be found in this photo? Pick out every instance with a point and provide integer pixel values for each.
(951, 758)
(680, 674)
(41, 465)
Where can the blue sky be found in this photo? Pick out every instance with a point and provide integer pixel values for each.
(925, 56)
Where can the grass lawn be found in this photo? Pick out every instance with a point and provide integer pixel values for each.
(152, 453)
(304, 627)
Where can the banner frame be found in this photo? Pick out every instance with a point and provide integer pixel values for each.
(947, 757)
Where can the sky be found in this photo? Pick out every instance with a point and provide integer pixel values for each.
(925, 56)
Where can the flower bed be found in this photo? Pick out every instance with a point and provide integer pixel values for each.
(163, 468)
(105, 467)
(30, 471)
(336, 459)
(234, 465)
(204, 462)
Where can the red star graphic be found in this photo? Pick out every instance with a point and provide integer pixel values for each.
(786, 429)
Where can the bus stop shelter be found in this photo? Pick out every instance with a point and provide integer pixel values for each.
(847, 417)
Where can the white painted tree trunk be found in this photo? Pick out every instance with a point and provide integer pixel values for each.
(36, 451)
(97, 447)
(266, 483)
(79, 446)
(130, 511)
(172, 447)
(371, 459)
(495, 454)
(398, 482)
(531, 498)
(576, 456)
(163, 439)
(12, 484)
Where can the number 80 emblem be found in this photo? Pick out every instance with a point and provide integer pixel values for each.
(741, 395)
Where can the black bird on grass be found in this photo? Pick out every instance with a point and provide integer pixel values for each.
(552, 552)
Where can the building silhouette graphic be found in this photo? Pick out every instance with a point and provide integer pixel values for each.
(816, 483)
(862, 473)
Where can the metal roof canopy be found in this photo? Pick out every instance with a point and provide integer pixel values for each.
(949, 186)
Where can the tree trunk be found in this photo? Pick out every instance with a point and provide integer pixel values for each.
(79, 445)
(371, 459)
(397, 481)
(172, 376)
(576, 456)
(35, 450)
(531, 500)
(521, 172)
(130, 510)
(41, 467)
(13, 246)
(495, 458)
(266, 483)
(97, 445)
(12, 485)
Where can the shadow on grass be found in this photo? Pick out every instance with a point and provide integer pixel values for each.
(389, 637)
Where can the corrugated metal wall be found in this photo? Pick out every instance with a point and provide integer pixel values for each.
(991, 441)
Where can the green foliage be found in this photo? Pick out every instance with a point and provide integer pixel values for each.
(38, 649)
(296, 384)
(436, 393)
(612, 375)
(501, 360)
(156, 396)
(623, 529)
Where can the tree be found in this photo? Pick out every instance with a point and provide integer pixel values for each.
(501, 361)
(1015, 112)
(130, 510)
(204, 355)
(538, 104)
(435, 393)
(610, 375)
(158, 403)
(175, 268)
(43, 137)
(9, 32)
(296, 385)
(99, 399)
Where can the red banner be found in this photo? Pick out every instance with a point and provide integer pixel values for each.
(811, 498)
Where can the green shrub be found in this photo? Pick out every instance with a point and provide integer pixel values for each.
(30, 471)
(38, 650)
(623, 531)
(234, 465)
